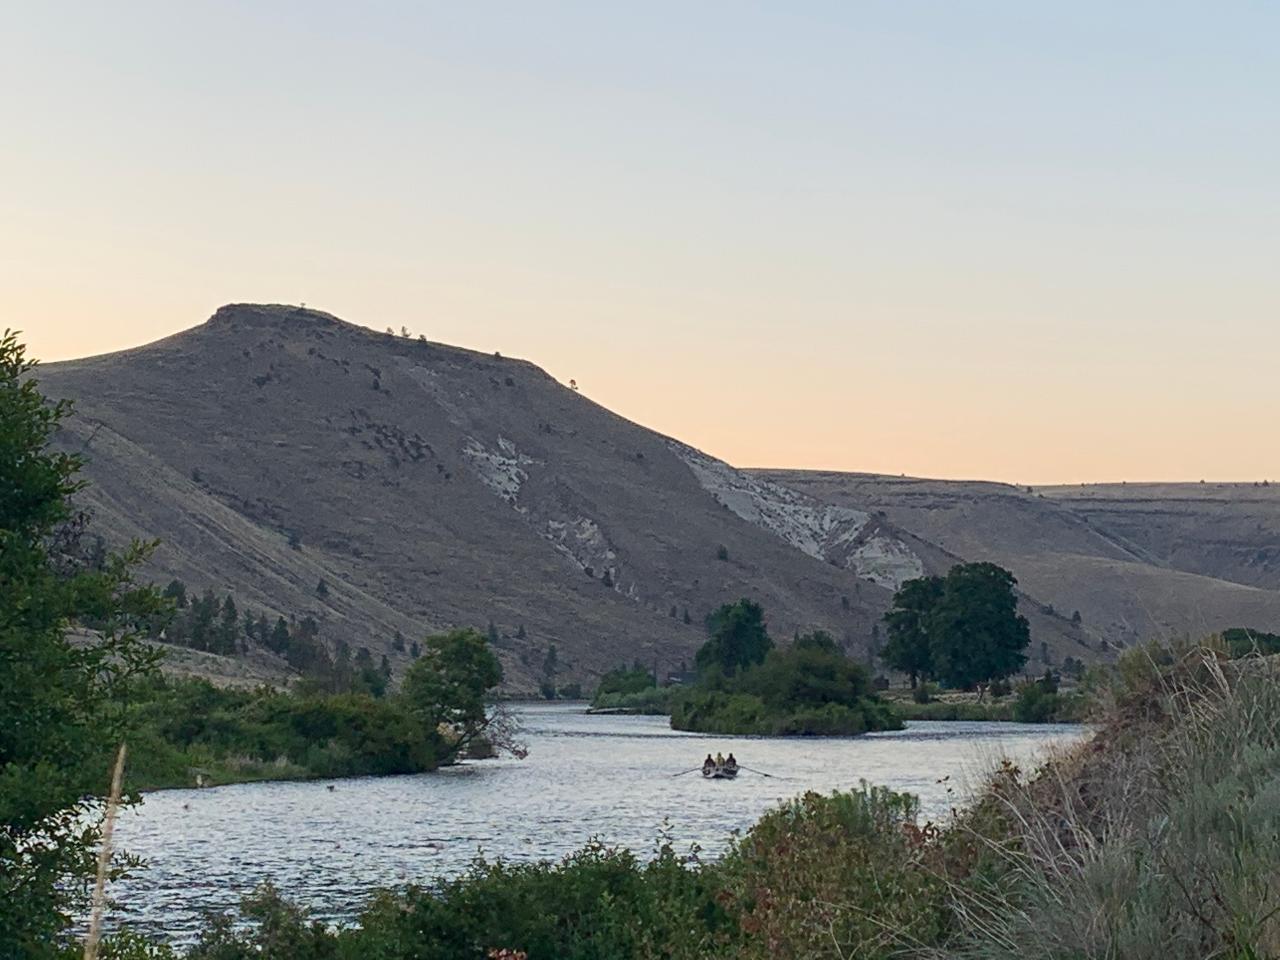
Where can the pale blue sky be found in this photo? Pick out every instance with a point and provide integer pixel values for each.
(1024, 241)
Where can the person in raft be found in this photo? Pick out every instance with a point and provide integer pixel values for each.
(708, 764)
(730, 763)
(719, 760)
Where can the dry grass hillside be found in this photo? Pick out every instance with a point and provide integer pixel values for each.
(1228, 531)
(1136, 560)
(274, 447)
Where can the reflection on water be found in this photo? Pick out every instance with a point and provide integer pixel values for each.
(586, 776)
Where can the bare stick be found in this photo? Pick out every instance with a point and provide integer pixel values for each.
(104, 861)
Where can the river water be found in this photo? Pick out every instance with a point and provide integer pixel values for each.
(325, 844)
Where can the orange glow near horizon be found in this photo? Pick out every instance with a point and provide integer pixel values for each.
(1031, 244)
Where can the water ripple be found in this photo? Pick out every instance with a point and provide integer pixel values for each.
(605, 777)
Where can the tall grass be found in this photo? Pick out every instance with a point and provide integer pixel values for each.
(1158, 841)
(99, 900)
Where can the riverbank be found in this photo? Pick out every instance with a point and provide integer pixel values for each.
(189, 733)
(1155, 839)
(584, 776)
(1065, 707)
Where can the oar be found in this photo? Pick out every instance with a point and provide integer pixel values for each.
(683, 772)
(761, 772)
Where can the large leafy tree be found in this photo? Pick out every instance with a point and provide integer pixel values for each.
(447, 686)
(62, 701)
(738, 639)
(962, 629)
(907, 624)
(975, 631)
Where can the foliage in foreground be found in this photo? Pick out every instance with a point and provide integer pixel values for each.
(61, 704)
(1159, 840)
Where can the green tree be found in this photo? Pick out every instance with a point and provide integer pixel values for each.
(228, 628)
(369, 679)
(279, 639)
(176, 593)
(623, 679)
(907, 624)
(738, 639)
(446, 687)
(975, 631)
(62, 705)
(814, 671)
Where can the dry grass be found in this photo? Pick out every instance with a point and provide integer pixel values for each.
(1157, 840)
(94, 935)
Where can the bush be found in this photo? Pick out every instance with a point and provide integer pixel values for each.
(1241, 642)
(810, 689)
(235, 735)
(954, 710)
(652, 700)
(599, 902)
(844, 875)
(626, 680)
(744, 714)
(925, 692)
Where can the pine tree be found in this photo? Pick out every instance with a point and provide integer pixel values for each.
(279, 642)
(203, 611)
(177, 592)
(322, 589)
(229, 628)
(397, 642)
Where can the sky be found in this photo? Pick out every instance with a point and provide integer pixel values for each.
(1030, 242)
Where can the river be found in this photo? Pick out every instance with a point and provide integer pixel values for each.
(325, 844)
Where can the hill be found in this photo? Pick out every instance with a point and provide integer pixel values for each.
(272, 448)
(1136, 560)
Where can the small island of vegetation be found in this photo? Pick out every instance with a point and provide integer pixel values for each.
(961, 631)
(747, 685)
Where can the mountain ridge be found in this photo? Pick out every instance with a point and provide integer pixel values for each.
(428, 485)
